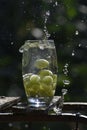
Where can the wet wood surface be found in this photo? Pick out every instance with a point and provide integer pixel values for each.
(6, 102)
(28, 117)
(75, 106)
(10, 111)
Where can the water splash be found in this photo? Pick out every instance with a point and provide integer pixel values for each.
(55, 4)
(77, 32)
(66, 82)
(10, 125)
(37, 32)
(73, 53)
(46, 16)
(12, 43)
(26, 125)
(65, 70)
(79, 45)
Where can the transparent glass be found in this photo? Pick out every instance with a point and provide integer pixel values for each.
(39, 71)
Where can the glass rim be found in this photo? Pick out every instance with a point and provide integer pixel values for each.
(30, 42)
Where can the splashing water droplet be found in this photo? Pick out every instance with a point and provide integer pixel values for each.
(79, 45)
(65, 70)
(56, 3)
(10, 124)
(66, 65)
(22, 2)
(12, 43)
(37, 32)
(66, 82)
(41, 47)
(77, 32)
(26, 126)
(47, 13)
(73, 53)
(46, 16)
(24, 11)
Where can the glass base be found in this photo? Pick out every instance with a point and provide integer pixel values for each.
(40, 103)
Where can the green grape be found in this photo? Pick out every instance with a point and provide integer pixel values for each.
(47, 80)
(54, 81)
(34, 78)
(41, 63)
(34, 84)
(31, 84)
(26, 79)
(46, 90)
(27, 91)
(45, 72)
(55, 78)
(32, 89)
(30, 92)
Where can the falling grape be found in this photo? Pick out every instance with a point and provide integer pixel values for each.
(41, 63)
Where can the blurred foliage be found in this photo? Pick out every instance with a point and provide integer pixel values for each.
(67, 26)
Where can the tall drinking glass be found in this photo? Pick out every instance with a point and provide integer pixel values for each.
(39, 71)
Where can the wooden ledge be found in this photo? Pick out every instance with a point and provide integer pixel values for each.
(64, 117)
(10, 113)
(75, 106)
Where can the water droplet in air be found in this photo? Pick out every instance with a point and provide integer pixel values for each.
(12, 43)
(77, 32)
(10, 124)
(73, 53)
(47, 13)
(37, 32)
(79, 45)
(65, 70)
(56, 3)
(41, 47)
(26, 126)
(66, 65)
(66, 82)
(22, 2)
(24, 11)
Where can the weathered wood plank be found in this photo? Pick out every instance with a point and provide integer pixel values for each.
(75, 106)
(6, 102)
(21, 113)
(23, 117)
